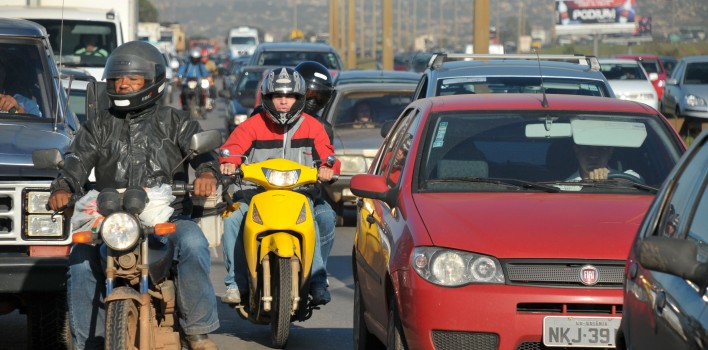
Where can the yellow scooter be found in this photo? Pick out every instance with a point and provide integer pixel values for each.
(279, 243)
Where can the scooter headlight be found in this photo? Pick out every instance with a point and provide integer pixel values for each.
(120, 231)
(281, 178)
(205, 84)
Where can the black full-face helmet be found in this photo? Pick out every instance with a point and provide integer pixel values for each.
(285, 81)
(319, 85)
(135, 58)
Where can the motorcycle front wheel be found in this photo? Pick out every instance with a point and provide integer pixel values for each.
(122, 325)
(281, 284)
(192, 103)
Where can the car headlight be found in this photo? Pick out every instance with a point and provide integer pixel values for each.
(695, 101)
(120, 231)
(281, 178)
(352, 164)
(451, 268)
(37, 201)
(44, 226)
(240, 118)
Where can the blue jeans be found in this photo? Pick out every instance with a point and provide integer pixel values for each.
(195, 294)
(235, 258)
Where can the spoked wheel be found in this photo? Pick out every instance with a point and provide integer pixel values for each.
(122, 324)
(281, 285)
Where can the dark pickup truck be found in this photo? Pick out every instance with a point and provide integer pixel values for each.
(34, 243)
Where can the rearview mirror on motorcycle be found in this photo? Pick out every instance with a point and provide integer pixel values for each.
(202, 142)
(47, 159)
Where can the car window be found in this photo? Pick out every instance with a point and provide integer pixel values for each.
(678, 71)
(680, 206)
(422, 88)
(21, 68)
(381, 162)
(651, 66)
(369, 109)
(293, 58)
(515, 145)
(402, 140)
(622, 71)
(502, 84)
(696, 73)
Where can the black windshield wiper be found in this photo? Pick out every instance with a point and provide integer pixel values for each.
(608, 184)
(500, 181)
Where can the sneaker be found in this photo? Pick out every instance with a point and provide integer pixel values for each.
(232, 296)
(320, 295)
(201, 342)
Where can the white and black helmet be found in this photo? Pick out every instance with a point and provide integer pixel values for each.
(135, 58)
(284, 81)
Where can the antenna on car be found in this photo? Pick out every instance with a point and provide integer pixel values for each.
(544, 102)
(59, 66)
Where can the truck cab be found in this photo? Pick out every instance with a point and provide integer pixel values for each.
(34, 243)
(242, 41)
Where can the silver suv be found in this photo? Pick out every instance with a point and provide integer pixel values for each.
(455, 74)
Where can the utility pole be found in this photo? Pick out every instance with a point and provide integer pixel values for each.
(415, 24)
(387, 33)
(441, 29)
(351, 35)
(333, 24)
(429, 33)
(362, 32)
(398, 25)
(342, 28)
(481, 26)
(374, 30)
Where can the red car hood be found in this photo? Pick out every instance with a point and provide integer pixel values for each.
(534, 225)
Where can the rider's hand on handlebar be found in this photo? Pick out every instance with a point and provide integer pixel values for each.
(59, 199)
(228, 168)
(325, 174)
(205, 184)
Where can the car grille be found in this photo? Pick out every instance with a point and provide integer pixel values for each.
(11, 215)
(540, 346)
(450, 340)
(564, 273)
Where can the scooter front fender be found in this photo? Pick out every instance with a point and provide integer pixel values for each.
(281, 244)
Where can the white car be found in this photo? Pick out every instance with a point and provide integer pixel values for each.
(629, 81)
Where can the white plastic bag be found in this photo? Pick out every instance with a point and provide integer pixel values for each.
(158, 209)
(86, 216)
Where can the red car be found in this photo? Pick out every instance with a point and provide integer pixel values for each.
(487, 220)
(654, 67)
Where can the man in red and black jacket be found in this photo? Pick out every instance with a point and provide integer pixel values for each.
(281, 130)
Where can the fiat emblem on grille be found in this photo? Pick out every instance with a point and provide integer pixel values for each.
(589, 275)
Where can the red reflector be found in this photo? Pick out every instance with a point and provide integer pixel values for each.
(165, 228)
(47, 250)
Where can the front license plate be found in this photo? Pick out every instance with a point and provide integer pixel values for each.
(594, 332)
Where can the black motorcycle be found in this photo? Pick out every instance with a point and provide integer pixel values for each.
(194, 96)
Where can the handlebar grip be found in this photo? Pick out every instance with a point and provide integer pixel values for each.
(182, 189)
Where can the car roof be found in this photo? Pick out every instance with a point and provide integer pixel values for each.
(618, 60)
(516, 67)
(376, 75)
(21, 27)
(695, 58)
(533, 102)
(294, 45)
(375, 87)
(639, 57)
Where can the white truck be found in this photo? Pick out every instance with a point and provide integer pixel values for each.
(242, 41)
(87, 24)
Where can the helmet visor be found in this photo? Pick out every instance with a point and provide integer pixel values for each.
(122, 65)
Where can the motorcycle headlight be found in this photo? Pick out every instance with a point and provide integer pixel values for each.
(205, 84)
(452, 268)
(192, 84)
(120, 231)
(695, 101)
(281, 178)
(352, 164)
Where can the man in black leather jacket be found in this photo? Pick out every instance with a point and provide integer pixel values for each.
(138, 143)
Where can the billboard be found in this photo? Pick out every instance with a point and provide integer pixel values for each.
(595, 16)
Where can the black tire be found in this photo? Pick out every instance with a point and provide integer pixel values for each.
(122, 325)
(394, 333)
(281, 286)
(363, 339)
(48, 322)
(192, 108)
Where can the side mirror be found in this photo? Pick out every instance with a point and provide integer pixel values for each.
(47, 159)
(386, 127)
(679, 257)
(205, 141)
(372, 186)
(96, 99)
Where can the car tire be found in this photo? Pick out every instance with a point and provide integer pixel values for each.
(363, 339)
(48, 322)
(394, 332)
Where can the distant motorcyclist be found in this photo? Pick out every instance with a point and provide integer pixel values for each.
(138, 143)
(282, 130)
(213, 70)
(194, 68)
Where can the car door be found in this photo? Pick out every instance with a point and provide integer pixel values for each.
(667, 311)
(672, 92)
(374, 237)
